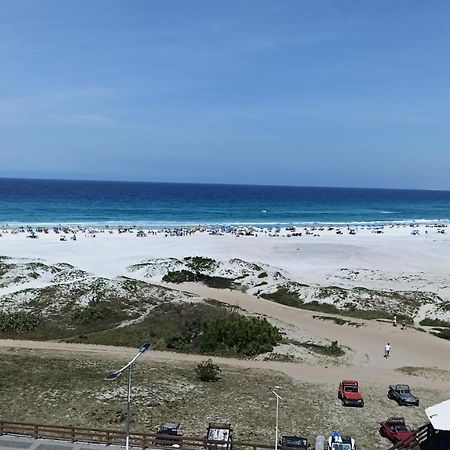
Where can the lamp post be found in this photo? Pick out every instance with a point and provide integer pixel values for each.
(116, 374)
(278, 397)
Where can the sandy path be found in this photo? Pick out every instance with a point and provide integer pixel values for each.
(409, 347)
(321, 374)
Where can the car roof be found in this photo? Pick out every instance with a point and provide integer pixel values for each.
(170, 425)
(395, 419)
(349, 382)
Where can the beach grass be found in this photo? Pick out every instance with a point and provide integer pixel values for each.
(285, 296)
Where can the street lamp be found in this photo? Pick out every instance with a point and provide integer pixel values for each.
(116, 374)
(278, 397)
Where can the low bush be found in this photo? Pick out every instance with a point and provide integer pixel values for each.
(339, 321)
(208, 372)
(180, 276)
(334, 349)
(287, 297)
(443, 334)
(434, 323)
(231, 335)
(18, 322)
(94, 312)
(186, 276)
(199, 263)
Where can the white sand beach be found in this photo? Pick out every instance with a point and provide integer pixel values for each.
(394, 259)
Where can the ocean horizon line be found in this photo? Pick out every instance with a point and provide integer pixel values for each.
(189, 183)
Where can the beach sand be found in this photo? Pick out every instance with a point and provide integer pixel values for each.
(393, 260)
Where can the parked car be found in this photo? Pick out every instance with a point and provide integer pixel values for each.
(166, 432)
(403, 395)
(396, 430)
(349, 393)
(221, 432)
(337, 441)
(294, 442)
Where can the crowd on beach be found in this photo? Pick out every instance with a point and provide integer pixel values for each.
(63, 231)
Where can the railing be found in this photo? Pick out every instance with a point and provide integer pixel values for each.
(420, 435)
(108, 437)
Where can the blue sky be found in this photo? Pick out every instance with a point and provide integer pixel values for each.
(310, 92)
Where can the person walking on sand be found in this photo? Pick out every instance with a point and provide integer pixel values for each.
(395, 320)
(387, 350)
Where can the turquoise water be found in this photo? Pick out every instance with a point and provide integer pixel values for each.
(170, 204)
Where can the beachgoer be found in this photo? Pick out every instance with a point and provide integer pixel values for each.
(387, 350)
(395, 320)
(403, 325)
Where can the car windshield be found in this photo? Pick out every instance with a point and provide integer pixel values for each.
(398, 427)
(339, 446)
(167, 431)
(218, 434)
(351, 389)
(295, 442)
(405, 391)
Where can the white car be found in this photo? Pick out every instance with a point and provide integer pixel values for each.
(337, 441)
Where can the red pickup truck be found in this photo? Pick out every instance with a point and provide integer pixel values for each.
(349, 393)
(396, 430)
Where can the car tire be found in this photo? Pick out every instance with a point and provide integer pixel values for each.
(362, 403)
(381, 431)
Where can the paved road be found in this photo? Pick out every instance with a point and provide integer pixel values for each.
(12, 442)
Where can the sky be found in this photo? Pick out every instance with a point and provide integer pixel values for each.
(293, 92)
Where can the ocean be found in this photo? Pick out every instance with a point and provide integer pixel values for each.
(53, 202)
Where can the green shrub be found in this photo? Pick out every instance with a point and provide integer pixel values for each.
(185, 276)
(208, 372)
(18, 322)
(232, 335)
(263, 275)
(443, 334)
(284, 296)
(199, 263)
(94, 312)
(334, 349)
(434, 323)
(180, 276)
(287, 297)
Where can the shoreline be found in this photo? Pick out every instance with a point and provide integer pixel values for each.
(163, 225)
